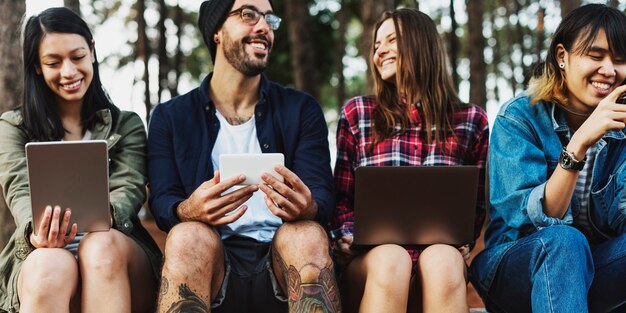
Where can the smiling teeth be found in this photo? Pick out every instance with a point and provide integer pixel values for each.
(258, 45)
(72, 85)
(388, 61)
(601, 85)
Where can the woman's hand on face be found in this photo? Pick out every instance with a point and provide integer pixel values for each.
(49, 233)
(342, 250)
(607, 116)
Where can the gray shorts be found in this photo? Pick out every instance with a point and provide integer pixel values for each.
(249, 282)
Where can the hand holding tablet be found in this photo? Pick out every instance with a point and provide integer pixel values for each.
(250, 165)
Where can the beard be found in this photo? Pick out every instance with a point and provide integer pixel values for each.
(235, 53)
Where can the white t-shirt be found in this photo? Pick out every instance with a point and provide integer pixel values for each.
(258, 222)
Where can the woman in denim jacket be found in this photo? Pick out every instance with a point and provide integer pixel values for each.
(556, 239)
(114, 271)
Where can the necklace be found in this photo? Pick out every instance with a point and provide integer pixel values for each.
(573, 112)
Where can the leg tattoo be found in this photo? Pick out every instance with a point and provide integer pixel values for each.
(319, 296)
(190, 302)
(165, 286)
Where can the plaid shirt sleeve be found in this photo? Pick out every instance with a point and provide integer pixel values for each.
(343, 220)
(478, 156)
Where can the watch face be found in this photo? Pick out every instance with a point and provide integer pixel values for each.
(566, 161)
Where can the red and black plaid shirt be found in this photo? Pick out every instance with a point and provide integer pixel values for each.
(355, 132)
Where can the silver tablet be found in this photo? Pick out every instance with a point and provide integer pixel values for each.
(70, 174)
(251, 165)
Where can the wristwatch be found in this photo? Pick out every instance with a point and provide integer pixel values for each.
(568, 161)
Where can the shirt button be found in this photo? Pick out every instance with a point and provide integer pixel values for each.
(266, 146)
(259, 114)
(126, 225)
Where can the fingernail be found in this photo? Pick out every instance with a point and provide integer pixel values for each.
(278, 168)
(242, 177)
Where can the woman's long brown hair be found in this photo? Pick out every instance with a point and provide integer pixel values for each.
(422, 75)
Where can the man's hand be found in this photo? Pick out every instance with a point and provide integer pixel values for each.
(291, 200)
(207, 205)
(49, 233)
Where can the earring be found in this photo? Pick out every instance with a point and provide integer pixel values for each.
(562, 65)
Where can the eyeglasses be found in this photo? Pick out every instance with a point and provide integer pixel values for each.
(251, 17)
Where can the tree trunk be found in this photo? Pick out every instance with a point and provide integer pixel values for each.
(178, 58)
(301, 43)
(341, 52)
(454, 46)
(73, 5)
(478, 74)
(369, 13)
(143, 53)
(164, 67)
(493, 68)
(11, 81)
(407, 3)
(568, 5)
(520, 40)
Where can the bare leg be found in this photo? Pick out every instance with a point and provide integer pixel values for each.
(193, 270)
(48, 280)
(304, 268)
(378, 280)
(443, 279)
(116, 274)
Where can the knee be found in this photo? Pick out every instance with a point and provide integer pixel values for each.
(388, 264)
(306, 238)
(192, 241)
(103, 253)
(48, 271)
(565, 241)
(442, 269)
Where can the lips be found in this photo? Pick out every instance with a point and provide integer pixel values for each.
(602, 86)
(387, 61)
(260, 44)
(73, 86)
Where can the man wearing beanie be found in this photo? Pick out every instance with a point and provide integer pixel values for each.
(256, 248)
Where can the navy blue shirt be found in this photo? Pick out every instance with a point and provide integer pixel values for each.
(182, 133)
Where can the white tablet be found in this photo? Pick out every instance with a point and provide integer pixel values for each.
(70, 174)
(251, 165)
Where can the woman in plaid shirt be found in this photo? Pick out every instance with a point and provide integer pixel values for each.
(415, 119)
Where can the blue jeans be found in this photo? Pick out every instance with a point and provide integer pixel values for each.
(553, 270)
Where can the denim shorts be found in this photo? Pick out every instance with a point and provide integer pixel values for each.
(249, 282)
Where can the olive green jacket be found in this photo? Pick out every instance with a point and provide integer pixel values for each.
(126, 141)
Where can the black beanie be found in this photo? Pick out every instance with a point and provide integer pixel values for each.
(213, 13)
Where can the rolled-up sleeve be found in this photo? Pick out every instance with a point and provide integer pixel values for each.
(518, 174)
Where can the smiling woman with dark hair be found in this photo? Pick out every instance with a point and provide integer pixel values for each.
(57, 269)
(556, 239)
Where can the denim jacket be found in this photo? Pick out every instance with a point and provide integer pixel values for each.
(525, 145)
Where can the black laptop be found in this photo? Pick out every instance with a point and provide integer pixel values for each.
(415, 205)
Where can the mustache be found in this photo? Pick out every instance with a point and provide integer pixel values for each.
(248, 39)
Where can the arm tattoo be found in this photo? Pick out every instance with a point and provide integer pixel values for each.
(190, 302)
